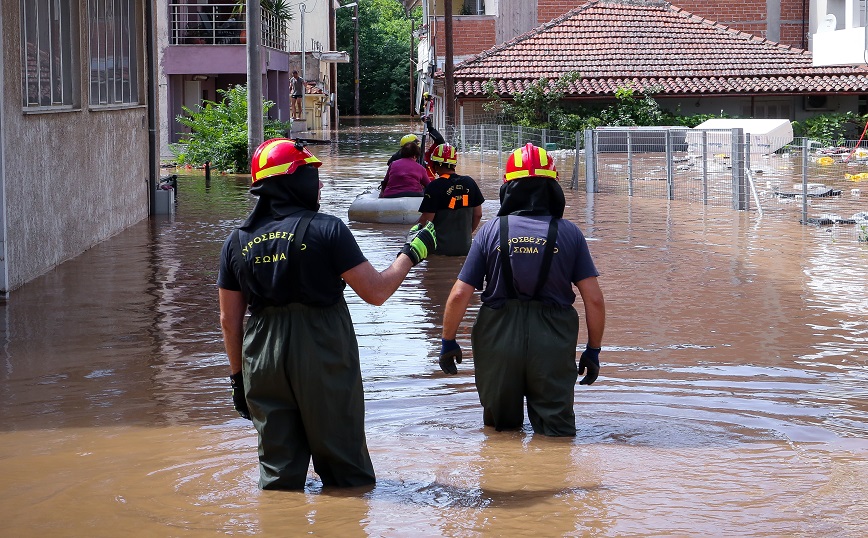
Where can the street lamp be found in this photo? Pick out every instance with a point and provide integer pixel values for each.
(355, 6)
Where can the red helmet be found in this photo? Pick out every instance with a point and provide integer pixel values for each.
(529, 161)
(445, 154)
(279, 156)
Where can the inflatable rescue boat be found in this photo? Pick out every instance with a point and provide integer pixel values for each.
(369, 207)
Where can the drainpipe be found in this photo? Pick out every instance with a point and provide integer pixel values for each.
(153, 170)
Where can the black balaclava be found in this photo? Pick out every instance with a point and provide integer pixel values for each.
(532, 196)
(280, 196)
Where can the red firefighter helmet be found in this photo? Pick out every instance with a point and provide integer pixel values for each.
(529, 161)
(445, 154)
(279, 156)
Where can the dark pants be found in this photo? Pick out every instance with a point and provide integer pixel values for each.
(527, 350)
(304, 390)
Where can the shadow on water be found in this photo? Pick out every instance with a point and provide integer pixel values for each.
(732, 399)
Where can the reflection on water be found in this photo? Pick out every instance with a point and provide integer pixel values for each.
(732, 399)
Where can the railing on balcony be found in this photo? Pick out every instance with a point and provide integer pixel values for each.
(220, 24)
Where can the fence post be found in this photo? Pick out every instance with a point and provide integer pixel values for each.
(482, 143)
(704, 167)
(747, 170)
(520, 137)
(806, 148)
(590, 162)
(629, 162)
(737, 157)
(461, 115)
(499, 143)
(544, 138)
(574, 182)
(670, 178)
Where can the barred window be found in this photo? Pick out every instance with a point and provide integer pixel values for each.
(49, 37)
(114, 60)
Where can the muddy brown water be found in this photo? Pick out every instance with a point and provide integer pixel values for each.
(732, 402)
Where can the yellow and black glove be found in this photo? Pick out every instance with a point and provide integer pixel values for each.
(421, 241)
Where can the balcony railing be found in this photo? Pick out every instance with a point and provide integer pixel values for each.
(221, 24)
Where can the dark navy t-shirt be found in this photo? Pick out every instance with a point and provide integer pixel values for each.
(571, 261)
(328, 250)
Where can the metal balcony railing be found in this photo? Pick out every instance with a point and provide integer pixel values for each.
(221, 24)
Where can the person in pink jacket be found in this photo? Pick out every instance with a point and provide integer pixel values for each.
(405, 176)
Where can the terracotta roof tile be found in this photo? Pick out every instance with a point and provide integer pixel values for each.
(650, 44)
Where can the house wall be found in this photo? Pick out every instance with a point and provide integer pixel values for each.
(471, 34)
(73, 178)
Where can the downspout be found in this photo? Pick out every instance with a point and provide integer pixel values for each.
(804, 22)
(151, 77)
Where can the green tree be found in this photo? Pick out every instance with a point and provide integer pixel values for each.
(218, 132)
(536, 104)
(384, 57)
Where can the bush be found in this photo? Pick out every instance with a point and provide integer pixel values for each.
(219, 132)
(831, 129)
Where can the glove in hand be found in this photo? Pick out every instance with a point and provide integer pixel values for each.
(420, 243)
(450, 353)
(237, 383)
(591, 360)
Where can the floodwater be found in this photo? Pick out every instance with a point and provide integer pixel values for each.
(732, 399)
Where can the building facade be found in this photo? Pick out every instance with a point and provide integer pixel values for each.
(77, 136)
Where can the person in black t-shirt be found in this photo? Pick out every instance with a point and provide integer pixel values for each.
(295, 368)
(452, 202)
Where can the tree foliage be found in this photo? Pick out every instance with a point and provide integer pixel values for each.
(218, 132)
(384, 57)
(831, 129)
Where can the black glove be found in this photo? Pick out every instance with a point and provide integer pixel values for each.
(420, 243)
(450, 353)
(591, 360)
(237, 382)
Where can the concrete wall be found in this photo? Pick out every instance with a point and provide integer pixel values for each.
(72, 178)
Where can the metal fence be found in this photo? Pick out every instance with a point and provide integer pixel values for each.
(794, 178)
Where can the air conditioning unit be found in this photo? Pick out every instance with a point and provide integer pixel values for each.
(820, 102)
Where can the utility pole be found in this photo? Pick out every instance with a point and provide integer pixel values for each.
(254, 76)
(333, 67)
(449, 101)
(356, 58)
(412, 70)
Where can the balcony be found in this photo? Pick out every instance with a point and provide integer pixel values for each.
(221, 24)
(841, 33)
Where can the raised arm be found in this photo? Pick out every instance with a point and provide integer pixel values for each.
(374, 286)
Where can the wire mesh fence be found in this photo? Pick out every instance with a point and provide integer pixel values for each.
(793, 178)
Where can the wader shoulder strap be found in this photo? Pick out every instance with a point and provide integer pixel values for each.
(506, 264)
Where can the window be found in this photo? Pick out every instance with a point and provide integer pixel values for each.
(113, 54)
(49, 39)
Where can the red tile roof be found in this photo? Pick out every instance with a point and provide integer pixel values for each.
(655, 46)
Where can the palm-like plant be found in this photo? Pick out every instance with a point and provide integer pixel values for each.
(280, 8)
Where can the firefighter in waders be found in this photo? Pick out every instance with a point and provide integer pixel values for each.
(295, 367)
(526, 262)
(453, 202)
